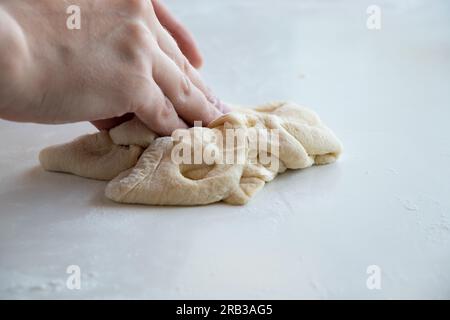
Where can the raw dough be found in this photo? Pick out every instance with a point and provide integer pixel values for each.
(132, 132)
(92, 156)
(156, 179)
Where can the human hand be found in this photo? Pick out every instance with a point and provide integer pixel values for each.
(121, 61)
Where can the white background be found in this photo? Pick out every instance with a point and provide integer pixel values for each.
(309, 233)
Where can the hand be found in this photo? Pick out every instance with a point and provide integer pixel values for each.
(121, 61)
(182, 36)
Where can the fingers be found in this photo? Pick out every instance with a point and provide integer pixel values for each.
(188, 100)
(158, 113)
(182, 36)
(194, 76)
(171, 94)
(170, 48)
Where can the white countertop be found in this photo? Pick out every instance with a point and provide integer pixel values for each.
(308, 234)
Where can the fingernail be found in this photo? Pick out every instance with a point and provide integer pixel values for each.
(212, 98)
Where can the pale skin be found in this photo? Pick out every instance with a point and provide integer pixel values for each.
(129, 57)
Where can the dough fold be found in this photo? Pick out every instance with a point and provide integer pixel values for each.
(92, 156)
(156, 175)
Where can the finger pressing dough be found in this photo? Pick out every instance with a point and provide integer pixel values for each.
(153, 177)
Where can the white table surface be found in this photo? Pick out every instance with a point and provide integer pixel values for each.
(308, 234)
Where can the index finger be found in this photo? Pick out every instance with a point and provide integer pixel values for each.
(183, 37)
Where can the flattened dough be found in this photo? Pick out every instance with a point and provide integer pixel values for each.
(152, 177)
(92, 156)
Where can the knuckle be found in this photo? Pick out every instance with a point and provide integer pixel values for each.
(129, 51)
(136, 32)
(165, 112)
(133, 44)
(183, 92)
(162, 115)
(185, 65)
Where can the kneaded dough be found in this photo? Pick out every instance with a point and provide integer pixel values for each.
(132, 132)
(150, 176)
(93, 156)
